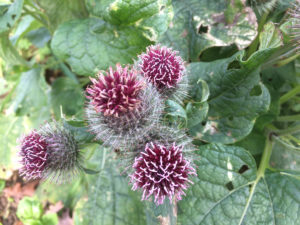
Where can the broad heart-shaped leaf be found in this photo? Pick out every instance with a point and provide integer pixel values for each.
(59, 11)
(92, 44)
(9, 15)
(236, 98)
(227, 191)
(151, 15)
(110, 200)
(198, 25)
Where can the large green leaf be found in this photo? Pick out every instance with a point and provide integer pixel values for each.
(151, 15)
(11, 128)
(59, 11)
(198, 25)
(9, 14)
(30, 103)
(227, 191)
(31, 96)
(110, 200)
(92, 44)
(237, 97)
(68, 95)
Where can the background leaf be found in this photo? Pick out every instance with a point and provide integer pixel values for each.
(68, 94)
(227, 191)
(9, 14)
(92, 44)
(9, 53)
(151, 15)
(198, 25)
(110, 200)
(232, 105)
(59, 11)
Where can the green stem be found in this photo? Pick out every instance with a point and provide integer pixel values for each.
(254, 45)
(288, 118)
(33, 14)
(264, 163)
(290, 130)
(296, 140)
(287, 60)
(289, 95)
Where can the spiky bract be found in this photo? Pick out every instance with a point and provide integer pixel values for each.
(161, 171)
(124, 131)
(65, 158)
(165, 69)
(50, 153)
(116, 92)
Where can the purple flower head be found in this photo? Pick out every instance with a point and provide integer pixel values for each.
(51, 152)
(115, 93)
(161, 171)
(161, 66)
(34, 155)
(123, 108)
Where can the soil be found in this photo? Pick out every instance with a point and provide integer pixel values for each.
(15, 189)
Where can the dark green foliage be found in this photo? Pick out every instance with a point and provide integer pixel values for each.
(242, 110)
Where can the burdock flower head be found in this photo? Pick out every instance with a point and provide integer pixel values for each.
(162, 171)
(164, 68)
(116, 93)
(51, 152)
(122, 107)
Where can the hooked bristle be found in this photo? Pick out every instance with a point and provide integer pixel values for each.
(161, 171)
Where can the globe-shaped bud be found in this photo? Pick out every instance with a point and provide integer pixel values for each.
(50, 153)
(139, 112)
(162, 171)
(65, 159)
(33, 153)
(164, 68)
(115, 93)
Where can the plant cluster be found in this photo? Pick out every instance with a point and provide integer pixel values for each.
(124, 111)
(159, 111)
